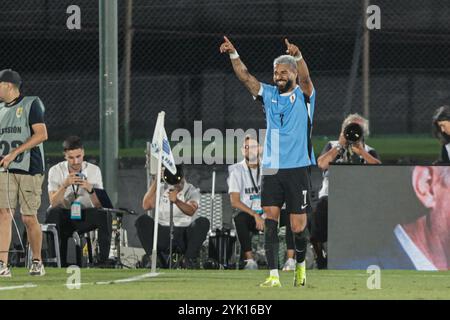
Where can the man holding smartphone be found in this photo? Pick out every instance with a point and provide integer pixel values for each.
(73, 202)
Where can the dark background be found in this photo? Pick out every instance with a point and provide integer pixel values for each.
(176, 65)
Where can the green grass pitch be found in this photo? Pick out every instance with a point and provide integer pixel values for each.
(223, 285)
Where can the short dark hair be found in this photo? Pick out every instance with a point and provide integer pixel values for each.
(441, 114)
(12, 77)
(251, 137)
(72, 143)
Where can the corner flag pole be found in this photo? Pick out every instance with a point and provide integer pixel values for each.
(158, 187)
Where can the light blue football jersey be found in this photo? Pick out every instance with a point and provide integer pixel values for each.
(289, 125)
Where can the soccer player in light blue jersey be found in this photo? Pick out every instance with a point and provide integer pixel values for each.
(288, 154)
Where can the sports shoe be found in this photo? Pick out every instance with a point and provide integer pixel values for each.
(271, 282)
(5, 272)
(300, 276)
(289, 265)
(37, 268)
(251, 265)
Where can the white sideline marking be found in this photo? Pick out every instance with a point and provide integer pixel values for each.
(132, 279)
(26, 285)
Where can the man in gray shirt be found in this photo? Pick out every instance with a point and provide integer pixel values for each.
(189, 230)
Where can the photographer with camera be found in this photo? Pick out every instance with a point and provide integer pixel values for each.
(189, 230)
(73, 202)
(350, 148)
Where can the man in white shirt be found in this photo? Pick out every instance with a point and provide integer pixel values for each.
(73, 202)
(244, 187)
(189, 230)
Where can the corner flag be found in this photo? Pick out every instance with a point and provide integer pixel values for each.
(161, 142)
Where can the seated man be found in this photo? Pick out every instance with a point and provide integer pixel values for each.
(73, 202)
(189, 231)
(244, 187)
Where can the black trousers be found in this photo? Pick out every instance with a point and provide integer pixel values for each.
(246, 227)
(187, 240)
(319, 221)
(91, 219)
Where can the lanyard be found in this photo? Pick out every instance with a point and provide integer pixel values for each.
(257, 178)
(75, 190)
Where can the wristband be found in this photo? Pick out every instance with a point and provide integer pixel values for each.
(234, 55)
(92, 191)
(298, 57)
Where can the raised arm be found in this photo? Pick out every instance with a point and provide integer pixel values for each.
(302, 69)
(241, 71)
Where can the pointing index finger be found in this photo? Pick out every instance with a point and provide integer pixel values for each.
(286, 42)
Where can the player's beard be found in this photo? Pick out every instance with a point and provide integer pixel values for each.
(286, 87)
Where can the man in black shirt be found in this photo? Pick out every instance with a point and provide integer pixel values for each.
(441, 130)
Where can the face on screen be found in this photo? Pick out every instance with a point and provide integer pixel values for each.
(400, 221)
(442, 202)
(432, 188)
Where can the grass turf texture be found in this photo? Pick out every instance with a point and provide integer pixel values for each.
(226, 285)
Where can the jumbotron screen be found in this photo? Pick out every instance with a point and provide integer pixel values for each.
(393, 217)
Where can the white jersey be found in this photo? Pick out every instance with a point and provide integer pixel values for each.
(59, 173)
(239, 180)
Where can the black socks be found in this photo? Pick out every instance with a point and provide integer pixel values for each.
(271, 243)
(301, 242)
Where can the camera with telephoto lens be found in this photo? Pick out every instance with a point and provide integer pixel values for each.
(353, 133)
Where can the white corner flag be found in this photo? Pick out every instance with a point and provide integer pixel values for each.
(161, 142)
(161, 155)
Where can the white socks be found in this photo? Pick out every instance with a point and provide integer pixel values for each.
(274, 273)
(291, 260)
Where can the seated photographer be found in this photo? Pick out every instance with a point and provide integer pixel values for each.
(441, 130)
(244, 187)
(73, 202)
(350, 148)
(189, 230)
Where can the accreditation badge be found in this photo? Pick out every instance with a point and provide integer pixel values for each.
(256, 203)
(75, 210)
